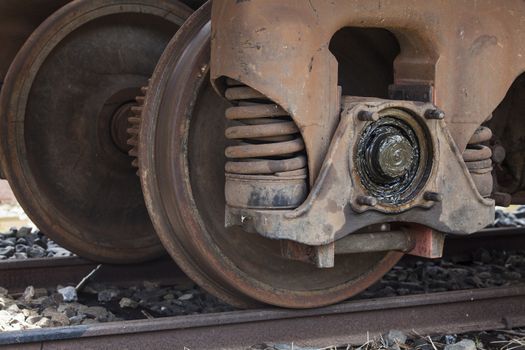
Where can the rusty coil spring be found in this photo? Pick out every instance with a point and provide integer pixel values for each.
(478, 159)
(476, 155)
(268, 141)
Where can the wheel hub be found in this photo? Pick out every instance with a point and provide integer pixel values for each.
(119, 126)
(388, 158)
(394, 155)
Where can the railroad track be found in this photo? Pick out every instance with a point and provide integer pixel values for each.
(18, 274)
(349, 322)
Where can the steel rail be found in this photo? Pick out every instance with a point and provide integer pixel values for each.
(16, 275)
(351, 322)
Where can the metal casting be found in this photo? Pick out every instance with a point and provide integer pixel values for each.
(439, 194)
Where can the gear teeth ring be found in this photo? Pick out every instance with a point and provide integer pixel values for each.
(134, 123)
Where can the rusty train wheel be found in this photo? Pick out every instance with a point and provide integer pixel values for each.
(64, 109)
(182, 171)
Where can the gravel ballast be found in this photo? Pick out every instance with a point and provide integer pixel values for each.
(27, 243)
(94, 303)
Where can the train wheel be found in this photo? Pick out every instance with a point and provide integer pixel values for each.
(182, 171)
(64, 110)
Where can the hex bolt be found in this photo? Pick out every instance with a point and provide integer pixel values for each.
(434, 114)
(367, 200)
(367, 116)
(433, 196)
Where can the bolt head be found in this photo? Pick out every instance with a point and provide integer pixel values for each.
(367, 116)
(433, 196)
(434, 114)
(367, 200)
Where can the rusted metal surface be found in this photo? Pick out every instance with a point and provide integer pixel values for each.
(64, 109)
(470, 54)
(267, 166)
(17, 22)
(19, 19)
(478, 159)
(182, 172)
(348, 323)
(16, 275)
(342, 201)
(427, 242)
(375, 242)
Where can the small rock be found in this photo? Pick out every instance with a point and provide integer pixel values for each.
(36, 251)
(3, 291)
(54, 300)
(13, 309)
(20, 256)
(40, 292)
(465, 344)
(185, 297)
(23, 232)
(449, 339)
(22, 241)
(77, 319)
(40, 242)
(69, 294)
(38, 301)
(33, 319)
(9, 242)
(97, 312)
(484, 275)
(18, 317)
(150, 285)
(7, 251)
(107, 295)
(5, 316)
(60, 319)
(44, 323)
(395, 337)
(169, 296)
(48, 311)
(28, 312)
(28, 294)
(20, 248)
(5, 301)
(67, 310)
(128, 303)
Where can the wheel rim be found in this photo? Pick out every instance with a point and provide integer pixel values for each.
(182, 137)
(64, 105)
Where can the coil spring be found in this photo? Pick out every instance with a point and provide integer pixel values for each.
(478, 158)
(477, 155)
(268, 141)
